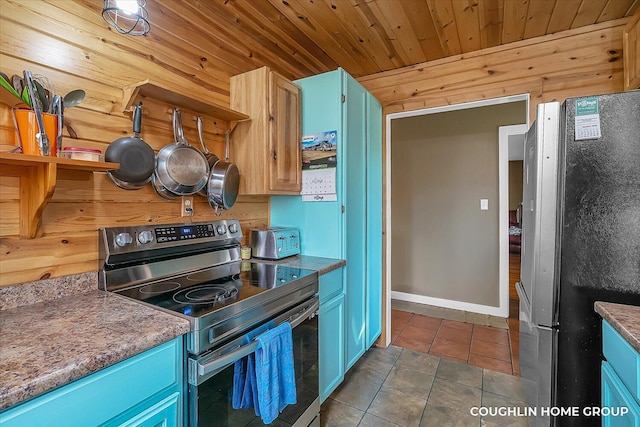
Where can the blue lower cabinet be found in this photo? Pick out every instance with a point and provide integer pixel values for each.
(620, 383)
(331, 345)
(331, 339)
(144, 390)
(164, 413)
(624, 410)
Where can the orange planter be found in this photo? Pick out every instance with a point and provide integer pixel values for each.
(27, 128)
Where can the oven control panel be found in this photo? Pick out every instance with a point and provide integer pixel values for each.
(129, 240)
(185, 232)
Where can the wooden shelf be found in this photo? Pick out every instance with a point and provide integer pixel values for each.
(38, 175)
(61, 162)
(150, 89)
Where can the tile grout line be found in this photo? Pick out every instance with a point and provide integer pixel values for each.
(405, 325)
(513, 368)
(430, 389)
(380, 388)
(473, 330)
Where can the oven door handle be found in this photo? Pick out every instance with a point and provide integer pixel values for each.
(198, 371)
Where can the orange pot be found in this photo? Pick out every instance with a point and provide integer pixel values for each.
(27, 128)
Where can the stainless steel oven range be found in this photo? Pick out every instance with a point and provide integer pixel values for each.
(194, 270)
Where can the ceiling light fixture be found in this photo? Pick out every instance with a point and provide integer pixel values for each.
(127, 16)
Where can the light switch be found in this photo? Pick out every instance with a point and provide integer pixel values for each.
(484, 204)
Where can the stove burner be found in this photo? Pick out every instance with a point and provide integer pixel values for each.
(205, 294)
(159, 288)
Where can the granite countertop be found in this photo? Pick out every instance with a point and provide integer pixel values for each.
(50, 343)
(320, 264)
(624, 318)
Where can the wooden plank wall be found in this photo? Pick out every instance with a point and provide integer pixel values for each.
(70, 44)
(571, 63)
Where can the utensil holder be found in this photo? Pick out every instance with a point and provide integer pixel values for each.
(27, 128)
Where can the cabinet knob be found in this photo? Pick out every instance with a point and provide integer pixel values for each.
(274, 155)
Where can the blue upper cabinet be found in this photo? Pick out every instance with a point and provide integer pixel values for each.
(350, 227)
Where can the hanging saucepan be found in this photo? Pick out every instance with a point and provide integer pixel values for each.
(224, 180)
(211, 158)
(136, 158)
(180, 168)
(159, 188)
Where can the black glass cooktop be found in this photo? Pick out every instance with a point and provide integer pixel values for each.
(200, 293)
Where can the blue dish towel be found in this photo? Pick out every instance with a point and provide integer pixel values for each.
(245, 391)
(275, 376)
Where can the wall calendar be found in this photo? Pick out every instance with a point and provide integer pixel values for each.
(319, 161)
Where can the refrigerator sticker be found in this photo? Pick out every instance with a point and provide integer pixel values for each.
(587, 119)
(319, 161)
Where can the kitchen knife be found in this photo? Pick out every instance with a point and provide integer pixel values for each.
(41, 136)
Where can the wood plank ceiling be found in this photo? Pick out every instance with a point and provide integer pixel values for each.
(304, 37)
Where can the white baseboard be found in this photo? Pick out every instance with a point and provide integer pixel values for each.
(456, 305)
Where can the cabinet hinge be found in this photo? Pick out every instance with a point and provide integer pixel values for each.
(344, 98)
(342, 208)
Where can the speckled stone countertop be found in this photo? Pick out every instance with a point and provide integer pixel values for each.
(50, 343)
(319, 264)
(624, 318)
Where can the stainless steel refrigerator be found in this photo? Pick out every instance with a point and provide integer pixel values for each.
(580, 244)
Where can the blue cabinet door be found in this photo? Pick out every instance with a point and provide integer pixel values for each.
(165, 413)
(331, 345)
(615, 396)
(355, 217)
(375, 259)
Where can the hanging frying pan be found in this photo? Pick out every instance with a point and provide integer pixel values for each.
(180, 168)
(136, 158)
(224, 180)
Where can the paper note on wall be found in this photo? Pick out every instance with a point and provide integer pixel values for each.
(319, 161)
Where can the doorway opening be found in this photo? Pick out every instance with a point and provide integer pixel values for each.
(447, 206)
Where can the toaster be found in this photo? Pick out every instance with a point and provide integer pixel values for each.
(275, 242)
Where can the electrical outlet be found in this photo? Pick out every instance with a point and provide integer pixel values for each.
(187, 206)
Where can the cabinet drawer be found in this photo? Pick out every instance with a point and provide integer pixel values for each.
(330, 285)
(625, 410)
(624, 360)
(99, 397)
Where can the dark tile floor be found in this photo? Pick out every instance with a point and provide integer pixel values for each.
(483, 346)
(401, 387)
